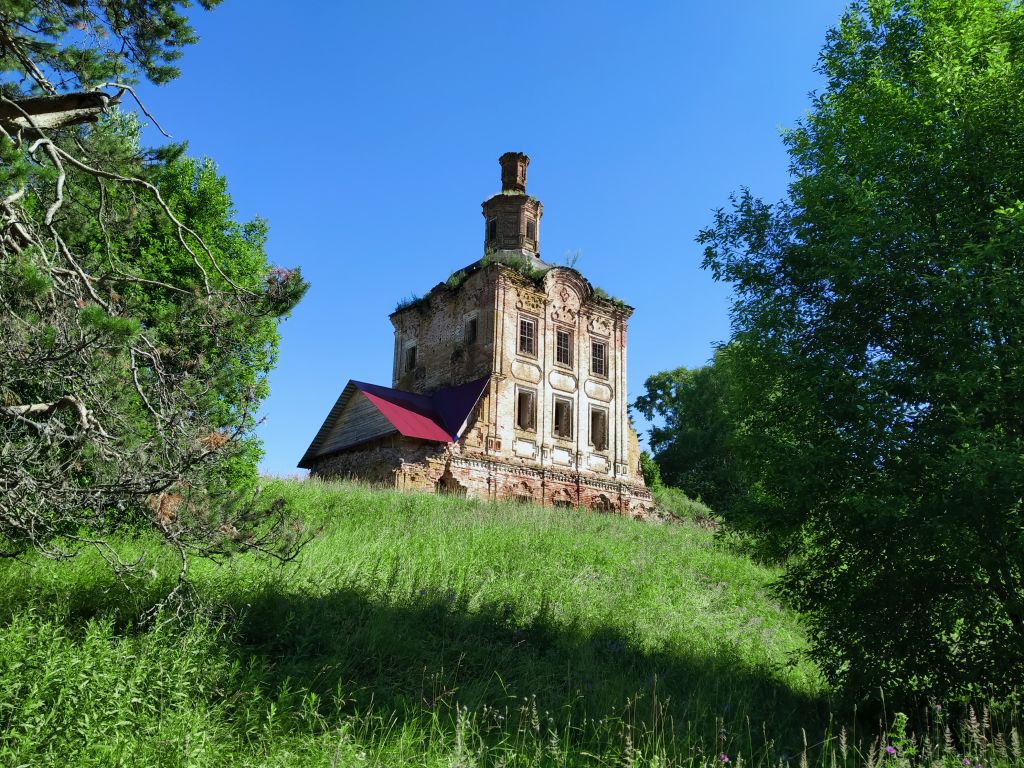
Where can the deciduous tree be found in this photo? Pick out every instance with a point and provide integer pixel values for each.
(879, 318)
(692, 439)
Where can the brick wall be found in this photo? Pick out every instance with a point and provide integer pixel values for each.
(437, 328)
(495, 458)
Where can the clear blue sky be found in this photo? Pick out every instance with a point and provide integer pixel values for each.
(368, 135)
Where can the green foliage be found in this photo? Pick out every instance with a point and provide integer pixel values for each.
(419, 630)
(455, 279)
(14, 167)
(138, 336)
(91, 42)
(25, 278)
(409, 615)
(880, 359)
(602, 295)
(524, 265)
(419, 303)
(693, 444)
(682, 507)
(651, 471)
(117, 329)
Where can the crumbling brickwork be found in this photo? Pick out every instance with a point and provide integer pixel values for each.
(552, 426)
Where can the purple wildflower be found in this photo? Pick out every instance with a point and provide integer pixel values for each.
(966, 761)
(890, 750)
(724, 758)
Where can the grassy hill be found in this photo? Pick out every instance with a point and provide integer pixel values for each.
(418, 630)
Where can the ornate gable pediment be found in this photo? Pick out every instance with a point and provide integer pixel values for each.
(567, 291)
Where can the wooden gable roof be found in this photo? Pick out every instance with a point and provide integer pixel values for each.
(365, 412)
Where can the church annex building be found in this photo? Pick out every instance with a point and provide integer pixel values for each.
(508, 382)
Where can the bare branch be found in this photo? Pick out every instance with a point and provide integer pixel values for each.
(124, 87)
(30, 66)
(86, 420)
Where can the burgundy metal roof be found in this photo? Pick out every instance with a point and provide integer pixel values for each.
(409, 419)
(440, 417)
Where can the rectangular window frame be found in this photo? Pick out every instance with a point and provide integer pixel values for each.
(530, 423)
(559, 428)
(529, 350)
(409, 364)
(470, 329)
(563, 353)
(602, 369)
(602, 445)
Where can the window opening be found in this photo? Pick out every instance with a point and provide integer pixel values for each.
(527, 336)
(492, 229)
(531, 229)
(563, 418)
(562, 499)
(526, 410)
(563, 347)
(410, 359)
(599, 358)
(471, 331)
(599, 428)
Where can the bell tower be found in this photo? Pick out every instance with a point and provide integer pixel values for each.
(512, 217)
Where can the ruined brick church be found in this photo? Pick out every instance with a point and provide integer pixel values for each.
(508, 382)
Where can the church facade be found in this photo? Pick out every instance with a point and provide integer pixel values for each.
(508, 382)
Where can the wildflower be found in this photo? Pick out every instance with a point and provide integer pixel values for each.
(890, 750)
(938, 707)
(966, 761)
(724, 758)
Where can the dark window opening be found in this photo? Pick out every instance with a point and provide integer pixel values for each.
(447, 484)
(563, 347)
(531, 229)
(527, 336)
(599, 428)
(522, 494)
(410, 359)
(471, 331)
(526, 410)
(492, 229)
(563, 418)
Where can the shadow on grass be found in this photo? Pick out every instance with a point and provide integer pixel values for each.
(413, 657)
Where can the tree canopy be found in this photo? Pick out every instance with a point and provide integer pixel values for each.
(60, 46)
(878, 335)
(693, 444)
(138, 316)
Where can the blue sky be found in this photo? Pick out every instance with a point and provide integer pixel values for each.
(368, 135)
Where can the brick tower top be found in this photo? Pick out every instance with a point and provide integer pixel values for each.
(513, 217)
(513, 171)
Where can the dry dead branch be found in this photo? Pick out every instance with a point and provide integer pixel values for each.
(117, 430)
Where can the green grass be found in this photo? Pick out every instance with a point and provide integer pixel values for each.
(418, 630)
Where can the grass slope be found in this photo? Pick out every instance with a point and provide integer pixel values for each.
(417, 630)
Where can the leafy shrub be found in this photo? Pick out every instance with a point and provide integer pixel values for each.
(524, 265)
